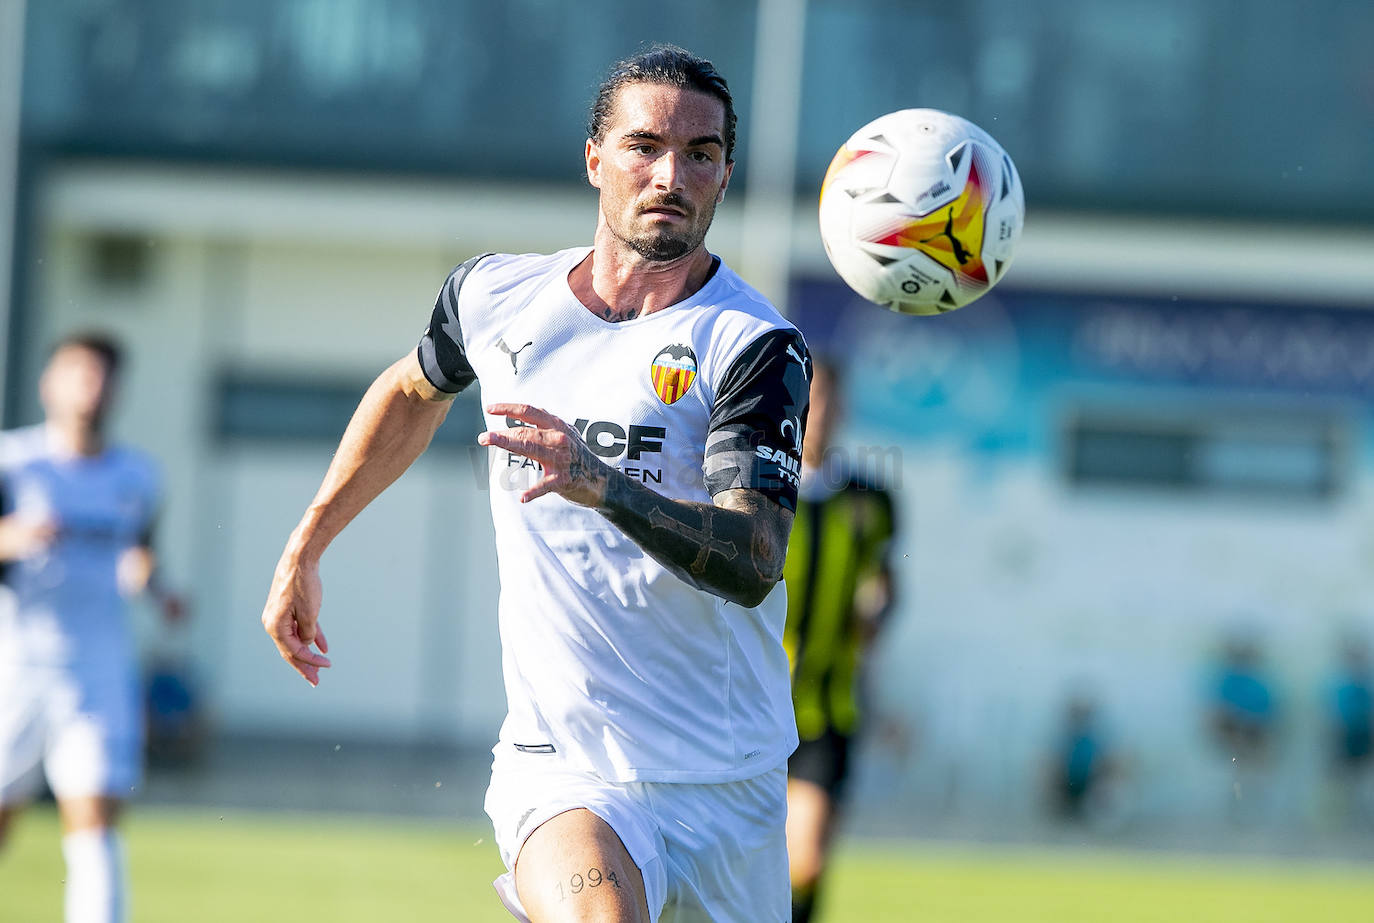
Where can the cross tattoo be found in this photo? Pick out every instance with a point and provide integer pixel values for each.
(726, 549)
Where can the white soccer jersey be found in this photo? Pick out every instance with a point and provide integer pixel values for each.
(67, 609)
(611, 662)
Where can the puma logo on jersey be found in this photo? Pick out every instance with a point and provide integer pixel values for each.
(792, 351)
(513, 353)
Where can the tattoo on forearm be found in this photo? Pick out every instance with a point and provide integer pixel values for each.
(736, 554)
(660, 520)
(767, 563)
(578, 882)
(583, 464)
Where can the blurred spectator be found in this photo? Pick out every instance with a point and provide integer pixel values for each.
(1351, 728)
(1081, 764)
(1243, 711)
(1243, 720)
(175, 720)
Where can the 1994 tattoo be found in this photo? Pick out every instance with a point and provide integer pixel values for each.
(577, 882)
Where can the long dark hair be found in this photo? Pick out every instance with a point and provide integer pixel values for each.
(669, 65)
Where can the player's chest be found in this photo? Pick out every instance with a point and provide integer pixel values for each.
(564, 358)
(87, 501)
(634, 393)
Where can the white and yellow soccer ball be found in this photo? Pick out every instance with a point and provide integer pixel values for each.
(920, 211)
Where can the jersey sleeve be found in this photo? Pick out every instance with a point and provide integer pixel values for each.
(441, 353)
(754, 438)
(6, 463)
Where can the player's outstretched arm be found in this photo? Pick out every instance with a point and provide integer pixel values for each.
(733, 548)
(391, 427)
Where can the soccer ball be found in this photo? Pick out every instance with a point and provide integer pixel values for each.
(920, 211)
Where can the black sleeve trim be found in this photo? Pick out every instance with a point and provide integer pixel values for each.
(754, 437)
(4, 511)
(441, 353)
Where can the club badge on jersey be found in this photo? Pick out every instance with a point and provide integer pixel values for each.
(673, 371)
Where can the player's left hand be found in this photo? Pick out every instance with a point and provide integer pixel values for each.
(292, 615)
(571, 469)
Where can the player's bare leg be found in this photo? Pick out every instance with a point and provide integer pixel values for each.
(95, 812)
(94, 857)
(810, 821)
(7, 813)
(574, 869)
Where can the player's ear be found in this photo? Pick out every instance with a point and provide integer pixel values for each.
(725, 182)
(593, 157)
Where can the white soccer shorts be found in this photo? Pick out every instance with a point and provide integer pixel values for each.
(712, 853)
(85, 731)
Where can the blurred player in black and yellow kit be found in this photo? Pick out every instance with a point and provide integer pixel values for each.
(839, 591)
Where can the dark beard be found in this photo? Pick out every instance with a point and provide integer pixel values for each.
(663, 247)
(666, 246)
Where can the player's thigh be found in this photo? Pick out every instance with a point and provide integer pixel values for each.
(95, 738)
(574, 867)
(7, 814)
(809, 812)
(726, 849)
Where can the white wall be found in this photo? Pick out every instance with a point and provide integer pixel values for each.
(1020, 591)
(337, 277)
(264, 274)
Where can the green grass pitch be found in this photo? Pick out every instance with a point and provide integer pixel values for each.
(193, 865)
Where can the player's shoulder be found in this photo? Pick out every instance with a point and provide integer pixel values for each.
(21, 446)
(740, 322)
(738, 302)
(499, 273)
(867, 484)
(137, 464)
(867, 494)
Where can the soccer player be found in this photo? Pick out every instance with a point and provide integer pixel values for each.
(1350, 726)
(75, 540)
(839, 591)
(645, 410)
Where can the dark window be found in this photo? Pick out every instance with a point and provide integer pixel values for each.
(1251, 453)
(270, 407)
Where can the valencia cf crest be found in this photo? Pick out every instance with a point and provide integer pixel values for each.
(673, 371)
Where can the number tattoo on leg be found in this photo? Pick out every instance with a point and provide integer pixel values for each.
(578, 882)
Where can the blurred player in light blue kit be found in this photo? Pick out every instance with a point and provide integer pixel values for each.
(76, 517)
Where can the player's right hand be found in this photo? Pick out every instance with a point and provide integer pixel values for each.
(291, 616)
(24, 536)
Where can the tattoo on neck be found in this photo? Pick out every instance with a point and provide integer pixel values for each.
(611, 314)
